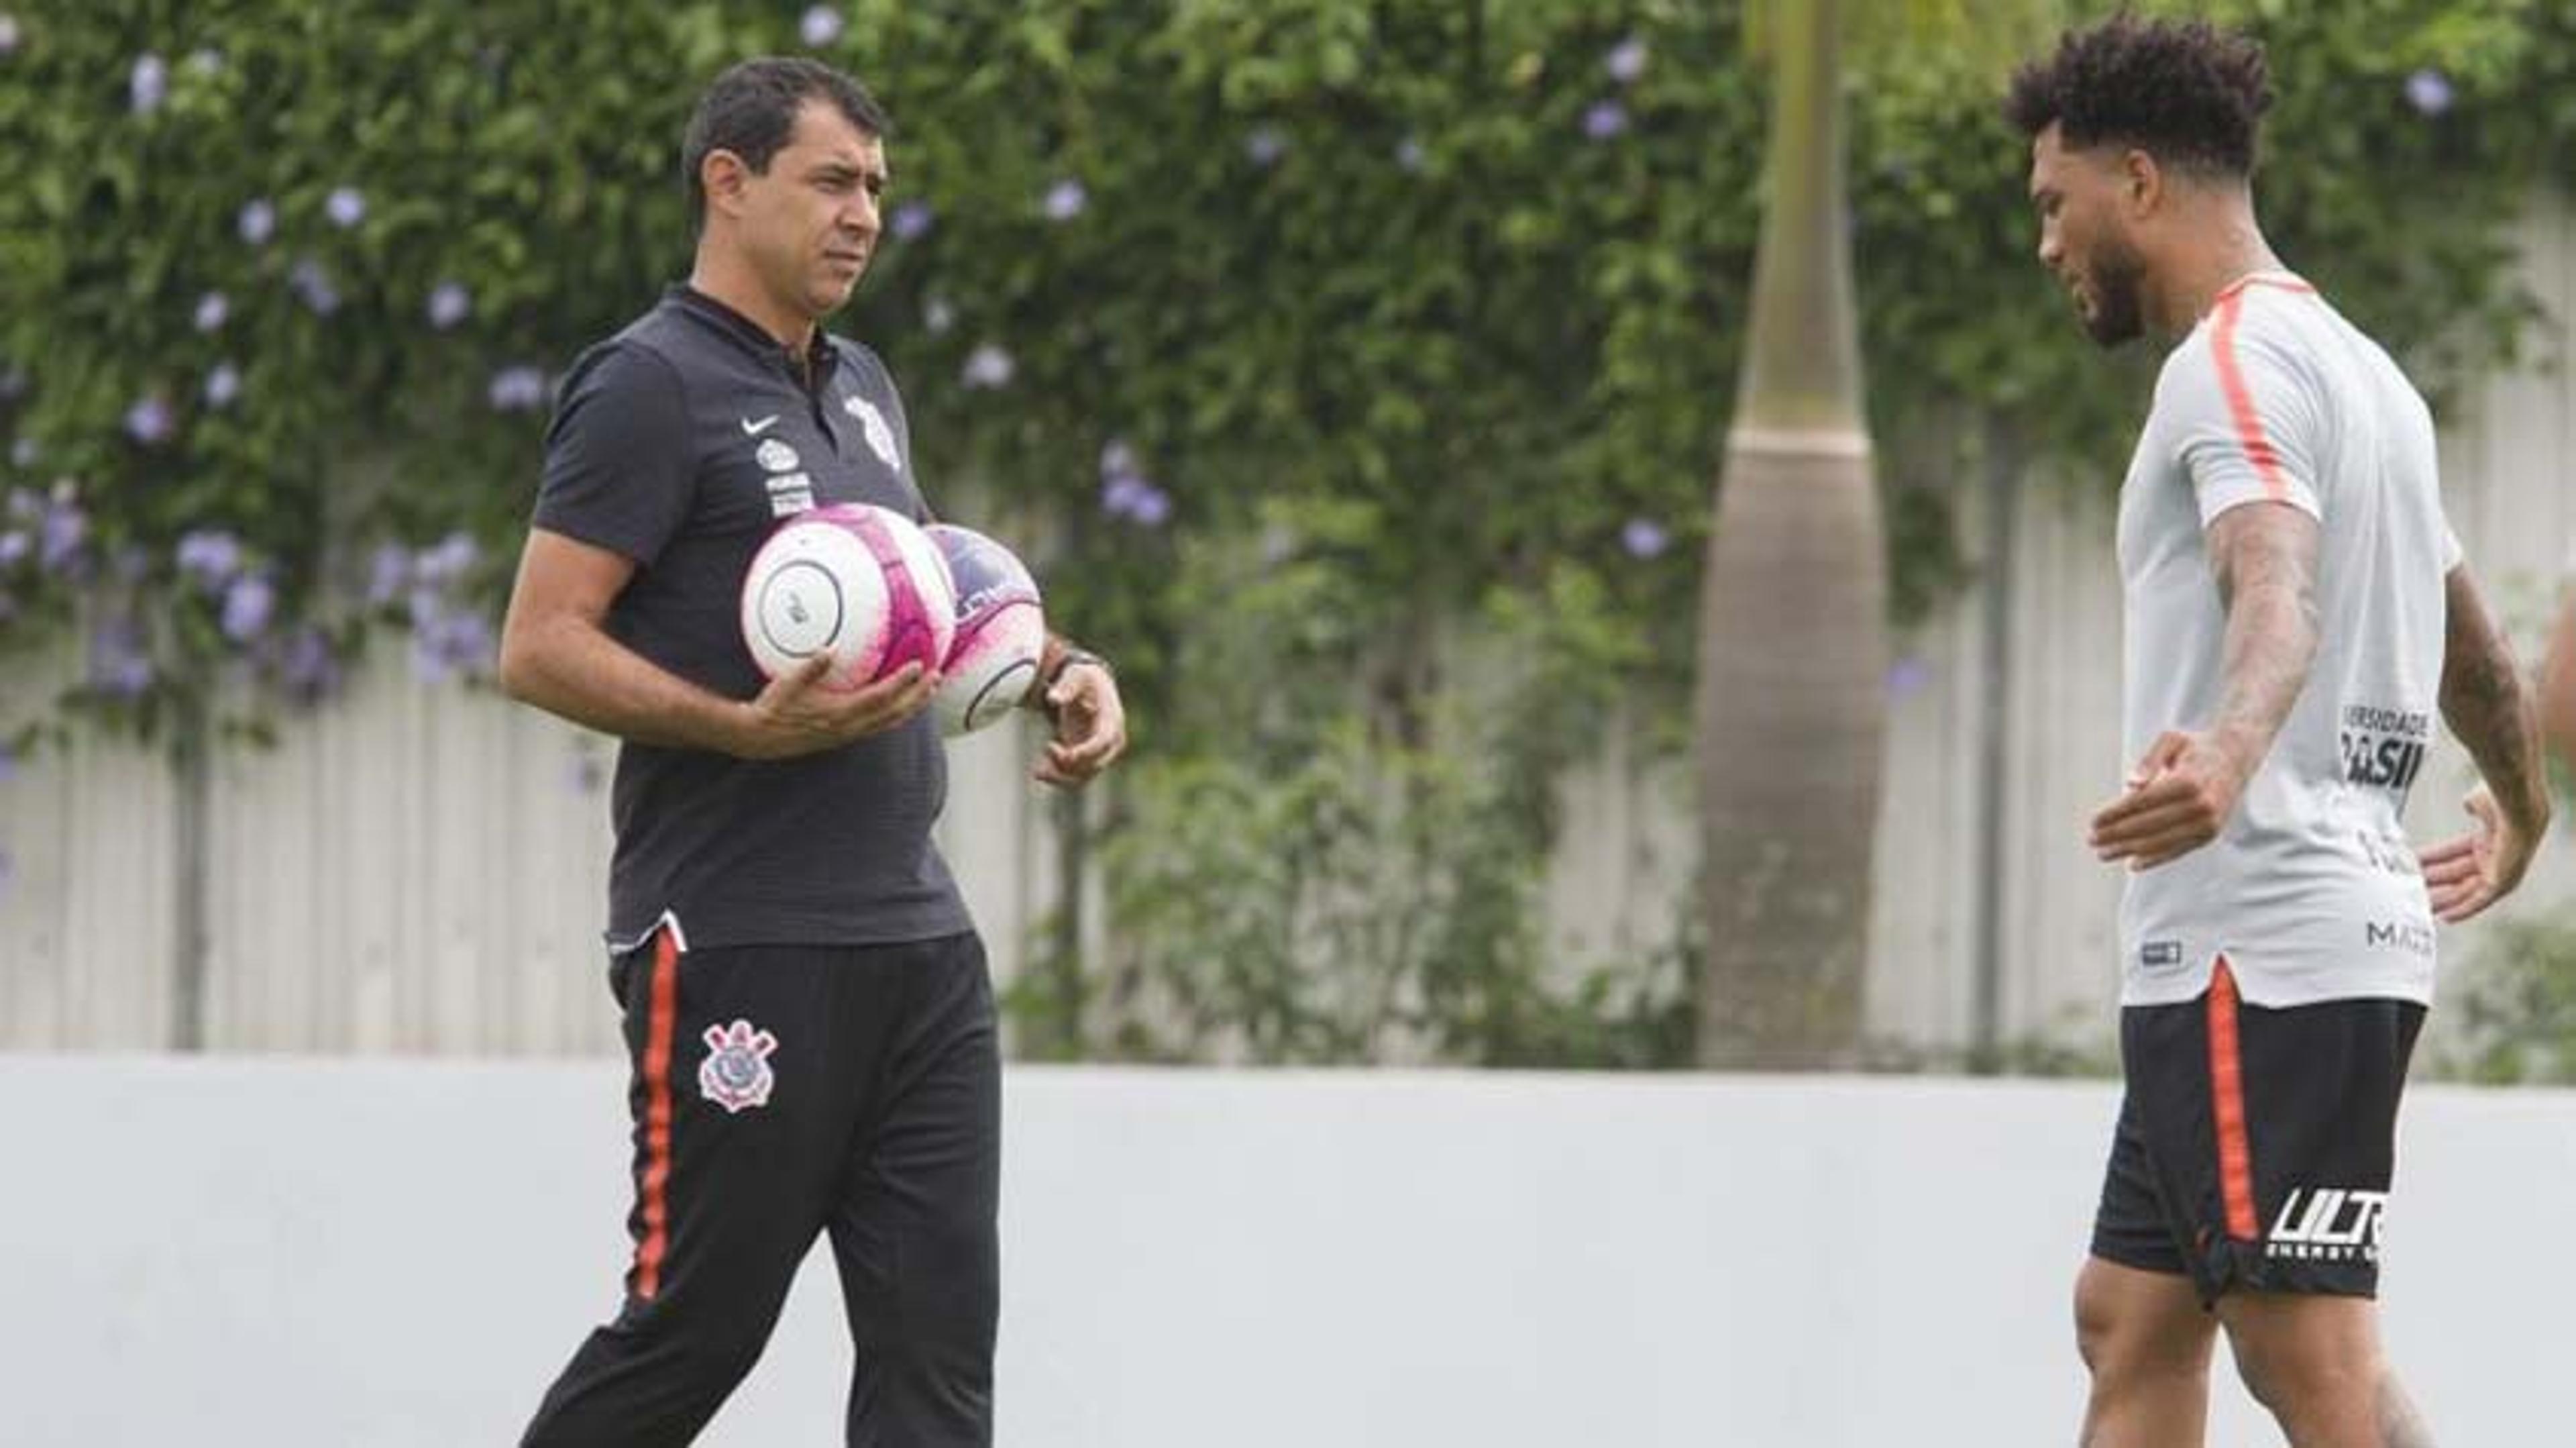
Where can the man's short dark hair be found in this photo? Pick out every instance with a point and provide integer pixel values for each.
(751, 109)
(2185, 92)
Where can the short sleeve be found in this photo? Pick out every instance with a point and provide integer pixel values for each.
(619, 469)
(2247, 420)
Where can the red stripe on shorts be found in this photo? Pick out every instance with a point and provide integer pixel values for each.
(2227, 1105)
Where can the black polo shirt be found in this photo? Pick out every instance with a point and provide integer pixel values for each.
(680, 443)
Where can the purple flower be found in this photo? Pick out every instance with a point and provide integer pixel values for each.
(1152, 506)
(1409, 155)
(117, 663)
(212, 309)
(1065, 200)
(14, 547)
(448, 304)
(937, 316)
(517, 388)
(149, 421)
(1125, 492)
(446, 643)
(467, 643)
(821, 26)
(346, 206)
(307, 665)
(24, 452)
(1265, 146)
(450, 560)
(223, 385)
(25, 506)
(60, 537)
(1128, 496)
(312, 281)
(8, 35)
(210, 556)
(1907, 676)
(910, 220)
(388, 573)
(1604, 119)
(248, 602)
(1626, 61)
(258, 221)
(2429, 92)
(1643, 538)
(988, 366)
(149, 84)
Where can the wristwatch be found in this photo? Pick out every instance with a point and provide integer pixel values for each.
(1071, 657)
(1042, 695)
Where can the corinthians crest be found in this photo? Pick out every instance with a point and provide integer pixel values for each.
(873, 423)
(736, 1074)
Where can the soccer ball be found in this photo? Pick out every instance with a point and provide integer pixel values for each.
(1001, 631)
(854, 581)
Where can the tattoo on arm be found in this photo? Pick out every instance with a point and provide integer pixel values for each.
(2487, 705)
(2265, 559)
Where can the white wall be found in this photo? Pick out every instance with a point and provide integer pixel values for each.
(399, 1254)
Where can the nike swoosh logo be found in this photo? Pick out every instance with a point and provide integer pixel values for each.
(755, 429)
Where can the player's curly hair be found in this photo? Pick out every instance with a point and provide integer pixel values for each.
(2185, 92)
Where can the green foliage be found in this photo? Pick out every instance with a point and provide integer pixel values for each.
(218, 265)
(1309, 872)
(2513, 1015)
(1412, 322)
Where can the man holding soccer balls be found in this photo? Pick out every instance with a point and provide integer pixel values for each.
(805, 999)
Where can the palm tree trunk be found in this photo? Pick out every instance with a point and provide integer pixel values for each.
(1793, 624)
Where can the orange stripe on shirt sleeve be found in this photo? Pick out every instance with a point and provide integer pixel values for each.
(2227, 1105)
(2240, 399)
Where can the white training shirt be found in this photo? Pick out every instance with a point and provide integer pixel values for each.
(2311, 891)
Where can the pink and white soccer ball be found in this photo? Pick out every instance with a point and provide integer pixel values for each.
(852, 580)
(1001, 631)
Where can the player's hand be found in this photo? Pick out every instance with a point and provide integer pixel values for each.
(2466, 875)
(2180, 795)
(1090, 725)
(796, 715)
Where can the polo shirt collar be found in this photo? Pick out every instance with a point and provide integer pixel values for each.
(817, 363)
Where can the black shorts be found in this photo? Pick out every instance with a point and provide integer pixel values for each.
(2255, 1146)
